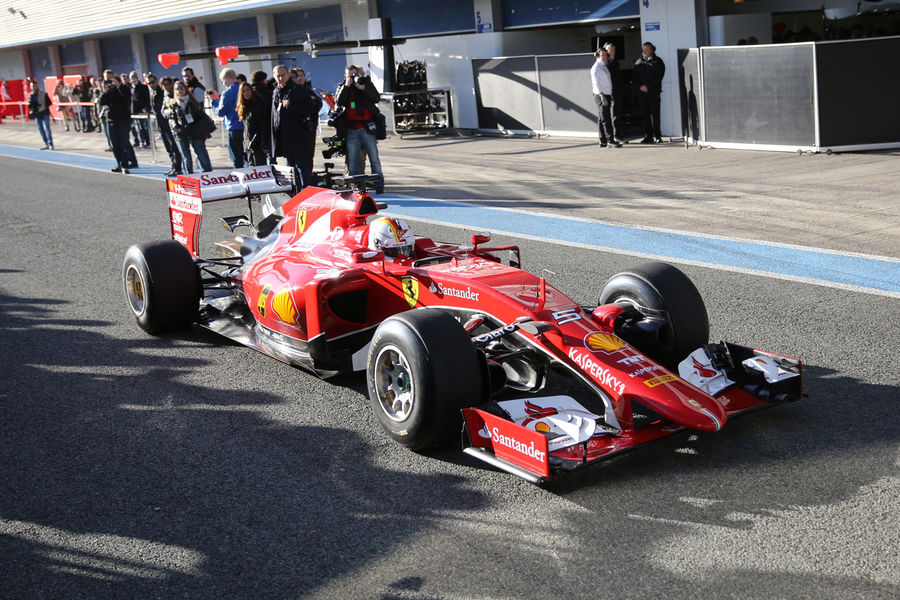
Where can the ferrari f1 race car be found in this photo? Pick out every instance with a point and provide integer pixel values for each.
(452, 337)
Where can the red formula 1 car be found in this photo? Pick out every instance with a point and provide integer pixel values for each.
(450, 334)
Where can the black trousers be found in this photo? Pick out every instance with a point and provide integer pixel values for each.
(615, 109)
(165, 132)
(649, 103)
(604, 118)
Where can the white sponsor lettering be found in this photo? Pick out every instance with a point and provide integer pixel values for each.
(466, 294)
(649, 369)
(630, 360)
(208, 180)
(493, 335)
(600, 373)
(254, 175)
(181, 239)
(177, 217)
(189, 204)
(517, 446)
(185, 191)
(566, 316)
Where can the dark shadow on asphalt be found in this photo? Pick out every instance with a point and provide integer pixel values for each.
(103, 440)
(767, 453)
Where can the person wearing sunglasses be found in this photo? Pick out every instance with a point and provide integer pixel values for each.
(184, 113)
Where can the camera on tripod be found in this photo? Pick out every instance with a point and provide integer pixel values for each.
(336, 147)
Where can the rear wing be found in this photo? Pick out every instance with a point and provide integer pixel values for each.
(187, 194)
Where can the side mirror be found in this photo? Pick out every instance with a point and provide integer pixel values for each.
(368, 256)
(481, 238)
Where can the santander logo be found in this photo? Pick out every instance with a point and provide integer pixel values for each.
(515, 445)
(254, 175)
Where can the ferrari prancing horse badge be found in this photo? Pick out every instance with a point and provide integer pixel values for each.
(411, 290)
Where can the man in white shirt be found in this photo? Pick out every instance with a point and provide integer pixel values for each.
(601, 85)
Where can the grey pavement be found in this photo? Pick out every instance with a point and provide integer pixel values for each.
(844, 202)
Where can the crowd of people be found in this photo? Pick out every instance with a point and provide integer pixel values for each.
(265, 120)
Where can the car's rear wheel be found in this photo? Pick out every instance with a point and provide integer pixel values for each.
(422, 369)
(666, 296)
(162, 285)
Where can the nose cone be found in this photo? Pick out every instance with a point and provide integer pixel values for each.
(714, 417)
(682, 403)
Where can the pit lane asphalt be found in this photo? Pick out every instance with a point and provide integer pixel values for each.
(136, 466)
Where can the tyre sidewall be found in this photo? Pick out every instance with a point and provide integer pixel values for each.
(170, 281)
(445, 371)
(661, 286)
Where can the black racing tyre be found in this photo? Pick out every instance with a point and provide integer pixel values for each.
(162, 285)
(422, 369)
(670, 296)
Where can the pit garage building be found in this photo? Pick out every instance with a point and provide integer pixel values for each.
(773, 74)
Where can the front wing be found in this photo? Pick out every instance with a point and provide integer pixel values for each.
(516, 446)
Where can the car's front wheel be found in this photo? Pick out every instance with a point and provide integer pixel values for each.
(422, 369)
(162, 285)
(667, 297)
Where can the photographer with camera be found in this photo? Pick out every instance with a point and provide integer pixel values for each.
(116, 98)
(358, 98)
(295, 118)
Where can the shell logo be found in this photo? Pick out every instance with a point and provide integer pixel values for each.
(604, 342)
(542, 427)
(284, 307)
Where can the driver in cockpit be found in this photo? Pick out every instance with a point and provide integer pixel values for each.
(392, 236)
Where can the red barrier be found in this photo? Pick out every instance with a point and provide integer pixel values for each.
(12, 97)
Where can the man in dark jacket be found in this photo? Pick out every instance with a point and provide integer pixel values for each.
(618, 93)
(357, 100)
(165, 131)
(117, 98)
(260, 85)
(39, 110)
(140, 105)
(295, 117)
(648, 74)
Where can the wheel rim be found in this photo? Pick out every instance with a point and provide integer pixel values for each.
(135, 289)
(394, 384)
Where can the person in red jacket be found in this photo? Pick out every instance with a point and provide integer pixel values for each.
(357, 99)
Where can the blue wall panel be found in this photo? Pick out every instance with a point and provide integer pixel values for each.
(41, 66)
(419, 17)
(323, 25)
(156, 42)
(72, 53)
(241, 32)
(116, 54)
(524, 13)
